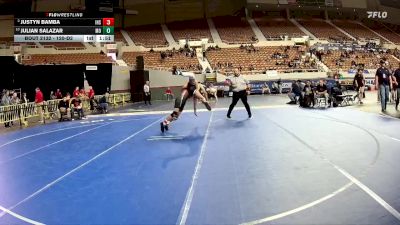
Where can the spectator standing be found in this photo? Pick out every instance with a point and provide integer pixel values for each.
(82, 94)
(39, 100)
(75, 94)
(359, 83)
(24, 101)
(91, 97)
(52, 95)
(241, 89)
(147, 94)
(301, 84)
(14, 99)
(396, 85)
(5, 100)
(58, 94)
(383, 82)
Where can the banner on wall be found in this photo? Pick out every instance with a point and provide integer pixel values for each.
(272, 73)
(257, 86)
(349, 81)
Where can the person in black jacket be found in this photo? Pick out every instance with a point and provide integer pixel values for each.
(294, 93)
(63, 108)
(359, 83)
(307, 99)
(383, 82)
(336, 92)
(396, 85)
(103, 102)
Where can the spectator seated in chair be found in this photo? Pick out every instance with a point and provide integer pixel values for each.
(63, 109)
(294, 93)
(168, 94)
(307, 99)
(322, 92)
(275, 88)
(265, 89)
(103, 104)
(77, 107)
(336, 94)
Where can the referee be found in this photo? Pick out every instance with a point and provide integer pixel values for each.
(147, 93)
(241, 89)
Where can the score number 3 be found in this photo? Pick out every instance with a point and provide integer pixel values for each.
(108, 21)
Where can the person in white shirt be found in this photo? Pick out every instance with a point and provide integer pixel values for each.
(211, 90)
(147, 94)
(240, 88)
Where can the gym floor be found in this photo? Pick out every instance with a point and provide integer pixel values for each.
(286, 165)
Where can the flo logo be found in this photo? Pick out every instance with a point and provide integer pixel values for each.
(377, 14)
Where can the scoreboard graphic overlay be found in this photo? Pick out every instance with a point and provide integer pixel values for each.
(63, 27)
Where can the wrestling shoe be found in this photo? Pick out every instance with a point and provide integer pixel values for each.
(166, 127)
(207, 106)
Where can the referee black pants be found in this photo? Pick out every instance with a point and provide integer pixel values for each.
(147, 98)
(242, 95)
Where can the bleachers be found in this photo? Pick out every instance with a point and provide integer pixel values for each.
(323, 30)
(338, 60)
(277, 28)
(260, 60)
(81, 58)
(149, 36)
(234, 30)
(6, 42)
(153, 60)
(382, 30)
(63, 45)
(190, 29)
(118, 37)
(356, 30)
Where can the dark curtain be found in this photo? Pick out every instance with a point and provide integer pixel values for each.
(100, 79)
(48, 78)
(7, 69)
(51, 77)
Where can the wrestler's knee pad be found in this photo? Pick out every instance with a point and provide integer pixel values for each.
(175, 115)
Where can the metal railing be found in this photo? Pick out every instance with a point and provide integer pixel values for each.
(49, 109)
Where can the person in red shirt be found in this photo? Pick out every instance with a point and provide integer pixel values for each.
(75, 94)
(82, 93)
(168, 93)
(58, 94)
(39, 103)
(91, 97)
